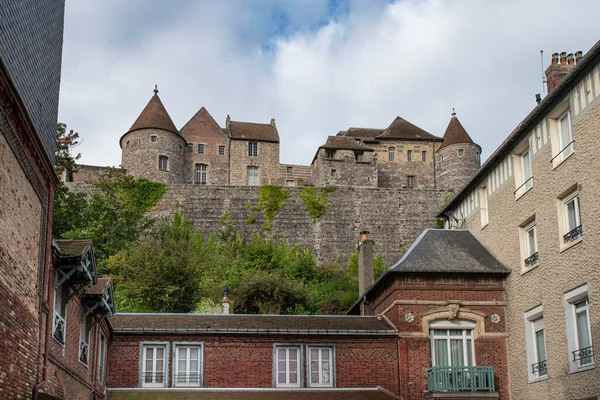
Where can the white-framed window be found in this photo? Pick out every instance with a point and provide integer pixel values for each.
(579, 334)
(290, 183)
(252, 177)
(221, 150)
(59, 318)
(153, 139)
(190, 148)
(85, 327)
(287, 366)
(391, 154)
(529, 245)
(461, 152)
(483, 206)
(452, 343)
(409, 155)
(200, 149)
(424, 156)
(573, 229)
(188, 364)
(200, 174)
(102, 358)
(535, 340)
(524, 173)
(252, 149)
(565, 135)
(410, 181)
(163, 163)
(320, 366)
(154, 361)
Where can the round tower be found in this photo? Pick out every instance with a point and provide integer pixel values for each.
(153, 148)
(458, 157)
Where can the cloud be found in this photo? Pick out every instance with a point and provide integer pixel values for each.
(317, 67)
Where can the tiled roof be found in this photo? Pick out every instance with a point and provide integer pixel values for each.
(73, 248)
(100, 287)
(444, 250)
(402, 129)
(363, 133)
(199, 123)
(253, 131)
(344, 143)
(251, 324)
(376, 393)
(455, 133)
(154, 116)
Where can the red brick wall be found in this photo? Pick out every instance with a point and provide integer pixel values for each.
(234, 361)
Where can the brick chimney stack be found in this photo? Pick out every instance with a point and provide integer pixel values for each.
(556, 72)
(366, 275)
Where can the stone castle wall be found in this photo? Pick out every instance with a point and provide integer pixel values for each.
(344, 169)
(455, 170)
(393, 174)
(267, 161)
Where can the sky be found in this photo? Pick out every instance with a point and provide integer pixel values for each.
(316, 66)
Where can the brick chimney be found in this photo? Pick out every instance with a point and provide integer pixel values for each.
(365, 263)
(225, 302)
(556, 72)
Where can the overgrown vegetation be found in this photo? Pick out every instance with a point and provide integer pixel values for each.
(271, 200)
(315, 201)
(439, 223)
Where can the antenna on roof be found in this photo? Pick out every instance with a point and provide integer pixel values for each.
(543, 75)
(155, 90)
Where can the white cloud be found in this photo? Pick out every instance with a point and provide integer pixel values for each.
(416, 59)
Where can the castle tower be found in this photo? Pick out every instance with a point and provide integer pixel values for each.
(153, 148)
(458, 157)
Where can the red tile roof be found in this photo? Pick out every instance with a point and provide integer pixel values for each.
(200, 122)
(402, 129)
(455, 133)
(154, 116)
(253, 131)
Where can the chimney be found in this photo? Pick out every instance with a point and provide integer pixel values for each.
(227, 121)
(365, 262)
(225, 302)
(556, 72)
(272, 121)
(578, 56)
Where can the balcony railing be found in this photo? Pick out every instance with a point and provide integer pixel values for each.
(153, 379)
(584, 356)
(460, 379)
(570, 147)
(532, 260)
(191, 379)
(573, 235)
(539, 368)
(524, 187)
(58, 330)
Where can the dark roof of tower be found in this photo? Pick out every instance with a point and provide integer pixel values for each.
(154, 116)
(402, 129)
(344, 143)
(253, 131)
(199, 121)
(455, 133)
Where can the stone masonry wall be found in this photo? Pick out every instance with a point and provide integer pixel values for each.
(267, 161)
(454, 170)
(344, 170)
(301, 175)
(393, 174)
(217, 169)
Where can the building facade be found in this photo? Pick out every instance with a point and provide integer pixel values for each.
(534, 205)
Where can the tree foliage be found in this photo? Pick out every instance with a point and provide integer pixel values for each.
(65, 142)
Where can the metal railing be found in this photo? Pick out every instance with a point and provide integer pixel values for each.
(191, 379)
(460, 379)
(584, 356)
(153, 378)
(571, 146)
(573, 235)
(539, 368)
(532, 260)
(59, 328)
(528, 183)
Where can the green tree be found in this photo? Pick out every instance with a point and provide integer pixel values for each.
(65, 142)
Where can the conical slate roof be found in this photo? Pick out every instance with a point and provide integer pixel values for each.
(200, 123)
(455, 133)
(154, 116)
(402, 129)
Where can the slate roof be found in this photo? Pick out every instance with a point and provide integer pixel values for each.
(448, 250)
(155, 116)
(363, 133)
(455, 133)
(344, 143)
(402, 129)
(100, 287)
(253, 131)
(73, 248)
(251, 324)
(199, 122)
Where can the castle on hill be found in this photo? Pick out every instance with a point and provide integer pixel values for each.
(247, 154)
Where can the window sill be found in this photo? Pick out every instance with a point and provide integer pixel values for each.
(582, 369)
(540, 379)
(568, 246)
(522, 193)
(84, 364)
(61, 344)
(486, 224)
(526, 270)
(556, 163)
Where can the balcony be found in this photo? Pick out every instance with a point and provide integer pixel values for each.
(532, 260)
(584, 356)
(460, 382)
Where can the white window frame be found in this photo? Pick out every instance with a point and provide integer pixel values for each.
(570, 300)
(59, 311)
(320, 347)
(102, 358)
(409, 155)
(199, 173)
(188, 345)
(484, 216)
(299, 364)
(252, 179)
(465, 326)
(163, 163)
(562, 147)
(391, 154)
(85, 337)
(523, 163)
(201, 146)
(531, 317)
(142, 368)
(526, 250)
(563, 219)
(252, 149)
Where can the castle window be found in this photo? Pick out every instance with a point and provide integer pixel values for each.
(200, 174)
(391, 154)
(320, 366)
(252, 149)
(221, 150)
(200, 149)
(252, 177)
(410, 181)
(190, 148)
(290, 170)
(154, 139)
(329, 153)
(409, 155)
(290, 183)
(333, 173)
(85, 326)
(163, 163)
(461, 152)
(424, 156)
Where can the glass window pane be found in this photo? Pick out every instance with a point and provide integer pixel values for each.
(456, 332)
(540, 345)
(281, 377)
(583, 330)
(571, 218)
(457, 352)
(470, 360)
(193, 353)
(441, 352)
(565, 134)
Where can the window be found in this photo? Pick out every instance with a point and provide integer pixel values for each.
(200, 174)
(188, 364)
(287, 366)
(329, 153)
(190, 148)
(452, 343)
(535, 340)
(409, 155)
(153, 365)
(85, 326)
(320, 366)
(524, 180)
(333, 173)
(153, 139)
(252, 149)
(221, 150)
(252, 178)
(200, 149)
(290, 170)
(573, 229)
(163, 163)
(461, 152)
(529, 245)
(102, 358)
(290, 183)
(424, 156)
(579, 335)
(483, 206)
(565, 135)
(391, 154)
(410, 182)
(59, 320)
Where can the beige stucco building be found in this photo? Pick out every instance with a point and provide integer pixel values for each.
(534, 205)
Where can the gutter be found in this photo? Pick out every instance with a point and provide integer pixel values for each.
(345, 332)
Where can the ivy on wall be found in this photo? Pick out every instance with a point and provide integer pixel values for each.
(315, 201)
(271, 200)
